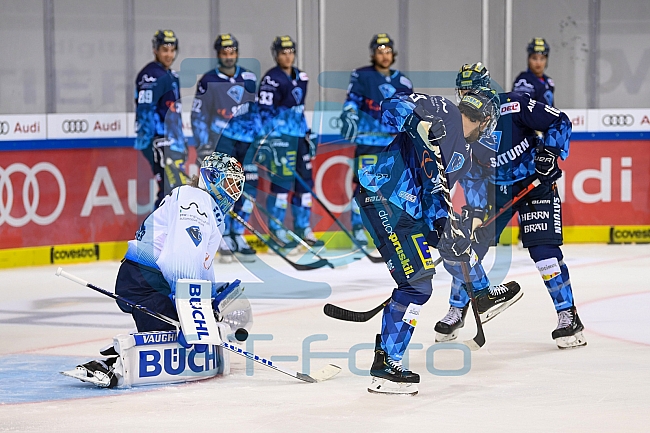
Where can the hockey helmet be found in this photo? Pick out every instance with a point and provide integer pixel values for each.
(471, 77)
(226, 40)
(538, 46)
(164, 37)
(480, 103)
(379, 40)
(281, 43)
(223, 178)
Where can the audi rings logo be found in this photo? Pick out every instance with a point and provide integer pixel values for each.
(618, 120)
(75, 126)
(335, 123)
(30, 201)
(4, 128)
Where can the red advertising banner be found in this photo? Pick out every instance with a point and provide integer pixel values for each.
(55, 197)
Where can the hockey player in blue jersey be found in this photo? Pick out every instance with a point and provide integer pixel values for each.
(404, 205)
(504, 163)
(159, 127)
(534, 81)
(282, 94)
(225, 118)
(177, 240)
(361, 121)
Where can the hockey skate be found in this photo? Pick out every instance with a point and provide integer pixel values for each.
(389, 377)
(99, 373)
(568, 333)
(448, 327)
(225, 253)
(496, 299)
(308, 236)
(281, 238)
(359, 235)
(242, 250)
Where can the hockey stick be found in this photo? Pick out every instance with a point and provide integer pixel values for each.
(336, 312)
(325, 373)
(345, 230)
(278, 250)
(297, 238)
(339, 313)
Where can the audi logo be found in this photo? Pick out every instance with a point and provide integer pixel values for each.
(618, 120)
(74, 126)
(335, 123)
(30, 201)
(4, 128)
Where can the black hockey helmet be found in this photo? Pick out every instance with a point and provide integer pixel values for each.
(381, 39)
(226, 40)
(480, 103)
(164, 37)
(282, 43)
(471, 77)
(538, 46)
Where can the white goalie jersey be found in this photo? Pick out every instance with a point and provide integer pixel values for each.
(181, 237)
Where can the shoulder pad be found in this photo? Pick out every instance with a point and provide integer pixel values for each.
(247, 75)
(550, 81)
(405, 82)
(510, 107)
(303, 76)
(174, 73)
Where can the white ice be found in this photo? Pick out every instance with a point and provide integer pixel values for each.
(518, 382)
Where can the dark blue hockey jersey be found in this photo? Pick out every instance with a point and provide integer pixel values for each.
(540, 89)
(282, 102)
(226, 106)
(507, 156)
(406, 171)
(158, 107)
(367, 89)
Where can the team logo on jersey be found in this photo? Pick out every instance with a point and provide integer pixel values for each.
(236, 93)
(455, 163)
(387, 90)
(297, 94)
(548, 96)
(195, 234)
(492, 142)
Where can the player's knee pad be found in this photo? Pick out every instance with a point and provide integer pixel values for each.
(413, 291)
(543, 252)
(302, 199)
(281, 200)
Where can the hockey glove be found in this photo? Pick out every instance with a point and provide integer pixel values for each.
(455, 244)
(429, 128)
(349, 125)
(546, 164)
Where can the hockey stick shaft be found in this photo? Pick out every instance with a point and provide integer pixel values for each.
(512, 201)
(336, 220)
(297, 238)
(276, 248)
(304, 377)
(336, 312)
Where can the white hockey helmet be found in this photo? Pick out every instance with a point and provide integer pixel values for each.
(223, 178)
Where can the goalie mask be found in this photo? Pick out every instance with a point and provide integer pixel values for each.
(223, 178)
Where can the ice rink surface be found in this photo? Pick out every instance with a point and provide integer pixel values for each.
(518, 382)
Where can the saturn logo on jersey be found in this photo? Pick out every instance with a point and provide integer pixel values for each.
(510, 155)
(236, 93)
(195, 234)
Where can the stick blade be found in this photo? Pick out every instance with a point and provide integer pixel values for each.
(342, 314)
(476, 343)
(326, 373)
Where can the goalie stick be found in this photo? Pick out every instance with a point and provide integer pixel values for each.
(339, 313)
(297, 238)
(336, 220)
(278, 250)
(325, 373)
